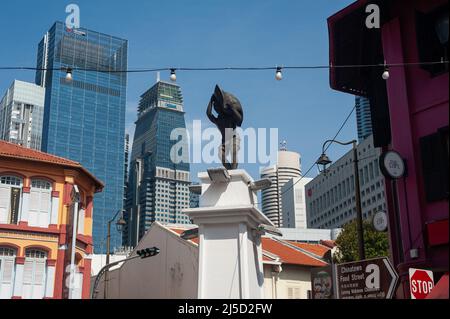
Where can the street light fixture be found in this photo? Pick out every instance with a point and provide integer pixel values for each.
(119, 225)
(324, 160)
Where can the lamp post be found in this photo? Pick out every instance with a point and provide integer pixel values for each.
(120, 223)
(324, 160)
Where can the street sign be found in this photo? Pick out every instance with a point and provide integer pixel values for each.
(392, 165)
(421, 282)
(366, 279)
(380, 221)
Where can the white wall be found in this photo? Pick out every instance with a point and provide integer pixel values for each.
(293, 282)
(172, 274)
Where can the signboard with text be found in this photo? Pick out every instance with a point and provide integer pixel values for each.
(421, 282)
(366, 279)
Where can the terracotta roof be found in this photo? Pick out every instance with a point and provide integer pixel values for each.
(14, 151)
(289, 255)
(316, 249)
(328, 243)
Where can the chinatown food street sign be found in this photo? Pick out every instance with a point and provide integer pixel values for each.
(366, 279)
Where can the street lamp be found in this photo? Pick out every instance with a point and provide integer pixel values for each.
(119, 225)
(324, 160)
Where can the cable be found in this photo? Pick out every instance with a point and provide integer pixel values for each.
(326, 148)
(143, 70)
(312, 166)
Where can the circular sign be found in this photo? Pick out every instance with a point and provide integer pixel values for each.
(380, 221)
(392, 165)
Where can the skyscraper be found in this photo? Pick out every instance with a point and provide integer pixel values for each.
(84, 119)
(159, 180)
(363, 117)
(294, 203)
(288, 167)
(21, 114)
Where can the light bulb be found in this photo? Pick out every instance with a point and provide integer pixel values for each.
(385, 74)
(278, 74)
(69, 76)
(173, 75)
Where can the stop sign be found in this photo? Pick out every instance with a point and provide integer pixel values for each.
(420, 283)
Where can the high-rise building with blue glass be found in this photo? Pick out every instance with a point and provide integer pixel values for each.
(159, 179)
(363, 117)
(84, 119)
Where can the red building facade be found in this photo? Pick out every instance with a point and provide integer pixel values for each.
(410, 114)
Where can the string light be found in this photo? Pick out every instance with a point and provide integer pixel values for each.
(173, 75)
(278, 74)
(385, 74)
(278, 70)
(69, 75)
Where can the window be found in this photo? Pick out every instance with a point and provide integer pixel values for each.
(7, 261)
(34, 274)
(435, 157)
(432, 45)
(10, 199)
(40, 203)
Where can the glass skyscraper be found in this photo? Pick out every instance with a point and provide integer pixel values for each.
(363, 117)
(84, 119)
(21, 114)
(158, 183)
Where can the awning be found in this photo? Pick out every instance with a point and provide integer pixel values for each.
(440, 290)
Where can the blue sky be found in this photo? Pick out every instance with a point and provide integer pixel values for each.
(200, 33)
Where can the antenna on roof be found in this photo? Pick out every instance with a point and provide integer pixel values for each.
(283, 145)
(158, 77)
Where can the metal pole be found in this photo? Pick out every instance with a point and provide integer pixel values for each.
(74, 242)
(359, 219)
(108, 244)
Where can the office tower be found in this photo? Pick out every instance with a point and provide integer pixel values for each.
(159, 178)
(294, 203)
(21, 114)
(330, 199)
(84, 119)
(194, 198)
(288, 167)
(363, 117)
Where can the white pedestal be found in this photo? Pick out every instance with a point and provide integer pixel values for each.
(230, 256)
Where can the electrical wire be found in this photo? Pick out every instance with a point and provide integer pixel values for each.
(262, 68)
(314, 164)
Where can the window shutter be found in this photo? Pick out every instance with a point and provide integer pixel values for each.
(33, 216)
(44, 211)
(39, 272)
(8, 268)
(28, 272)
(5, 199)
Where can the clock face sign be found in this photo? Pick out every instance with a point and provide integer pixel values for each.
(380, 221)
(392, 165)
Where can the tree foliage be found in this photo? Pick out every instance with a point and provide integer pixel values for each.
(376, 243)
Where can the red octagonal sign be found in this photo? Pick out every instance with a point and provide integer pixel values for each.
(421, 283)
